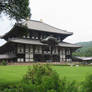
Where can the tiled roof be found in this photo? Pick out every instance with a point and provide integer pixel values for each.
(41, 26)
(36, 42)
(84, 58)
(7, 56)
(65, 44)
(38, 26)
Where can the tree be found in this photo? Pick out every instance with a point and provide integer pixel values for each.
(16, 9)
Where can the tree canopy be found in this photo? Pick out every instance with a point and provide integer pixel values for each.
(86, 49)
(16, 9)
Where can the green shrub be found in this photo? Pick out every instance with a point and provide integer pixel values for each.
(51, 90)
(42, 77)
(11, 90)
(87, 84)
(4, 62)
(66, 86)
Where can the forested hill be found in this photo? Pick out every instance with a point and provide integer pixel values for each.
(86, 49)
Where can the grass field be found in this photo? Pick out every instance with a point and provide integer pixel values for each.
(11, 74)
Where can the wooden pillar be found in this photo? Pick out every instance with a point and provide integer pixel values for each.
(61, 55)
(64, 54)
(71, 54)
(51, 53)
(16, 52)
(42, 54)
(31, 54)
(24, 53)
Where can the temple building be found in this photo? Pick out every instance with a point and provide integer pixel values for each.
(36, 41)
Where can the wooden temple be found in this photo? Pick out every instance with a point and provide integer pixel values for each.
(36, 41)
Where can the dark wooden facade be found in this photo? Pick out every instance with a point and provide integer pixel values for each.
(36, 41)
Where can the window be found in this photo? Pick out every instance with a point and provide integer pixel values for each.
(20, 49)
(28, 35)
(32, 37)
(24, 36)
(29, 53)
(27, 60)
(20, 59)
(36, 37)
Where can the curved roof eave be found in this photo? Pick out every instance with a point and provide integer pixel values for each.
(39, 26)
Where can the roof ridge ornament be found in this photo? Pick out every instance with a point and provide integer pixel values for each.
(28, 19)
(41, 20)
(50, 40)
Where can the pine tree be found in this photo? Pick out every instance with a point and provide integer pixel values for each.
(16, 9)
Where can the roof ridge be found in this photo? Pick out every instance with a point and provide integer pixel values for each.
(32, 20)
(50, 26)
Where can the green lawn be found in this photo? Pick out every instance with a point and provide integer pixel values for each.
(73, 73)
(10, 74)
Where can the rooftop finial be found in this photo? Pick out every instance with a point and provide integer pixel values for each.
(28, 18)
(41, 20)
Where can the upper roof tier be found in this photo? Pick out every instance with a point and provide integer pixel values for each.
(38, 26)
(41, 26)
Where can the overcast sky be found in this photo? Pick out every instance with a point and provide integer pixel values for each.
(71, 15)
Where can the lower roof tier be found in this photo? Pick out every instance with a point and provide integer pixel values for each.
(7, 56)
(35, 42)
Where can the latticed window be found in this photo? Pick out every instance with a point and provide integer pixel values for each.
(20, 49)
(28, 35)
(29, 53)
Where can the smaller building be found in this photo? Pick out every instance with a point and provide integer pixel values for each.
(83, 60)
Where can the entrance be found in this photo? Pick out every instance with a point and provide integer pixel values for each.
(46, 58)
